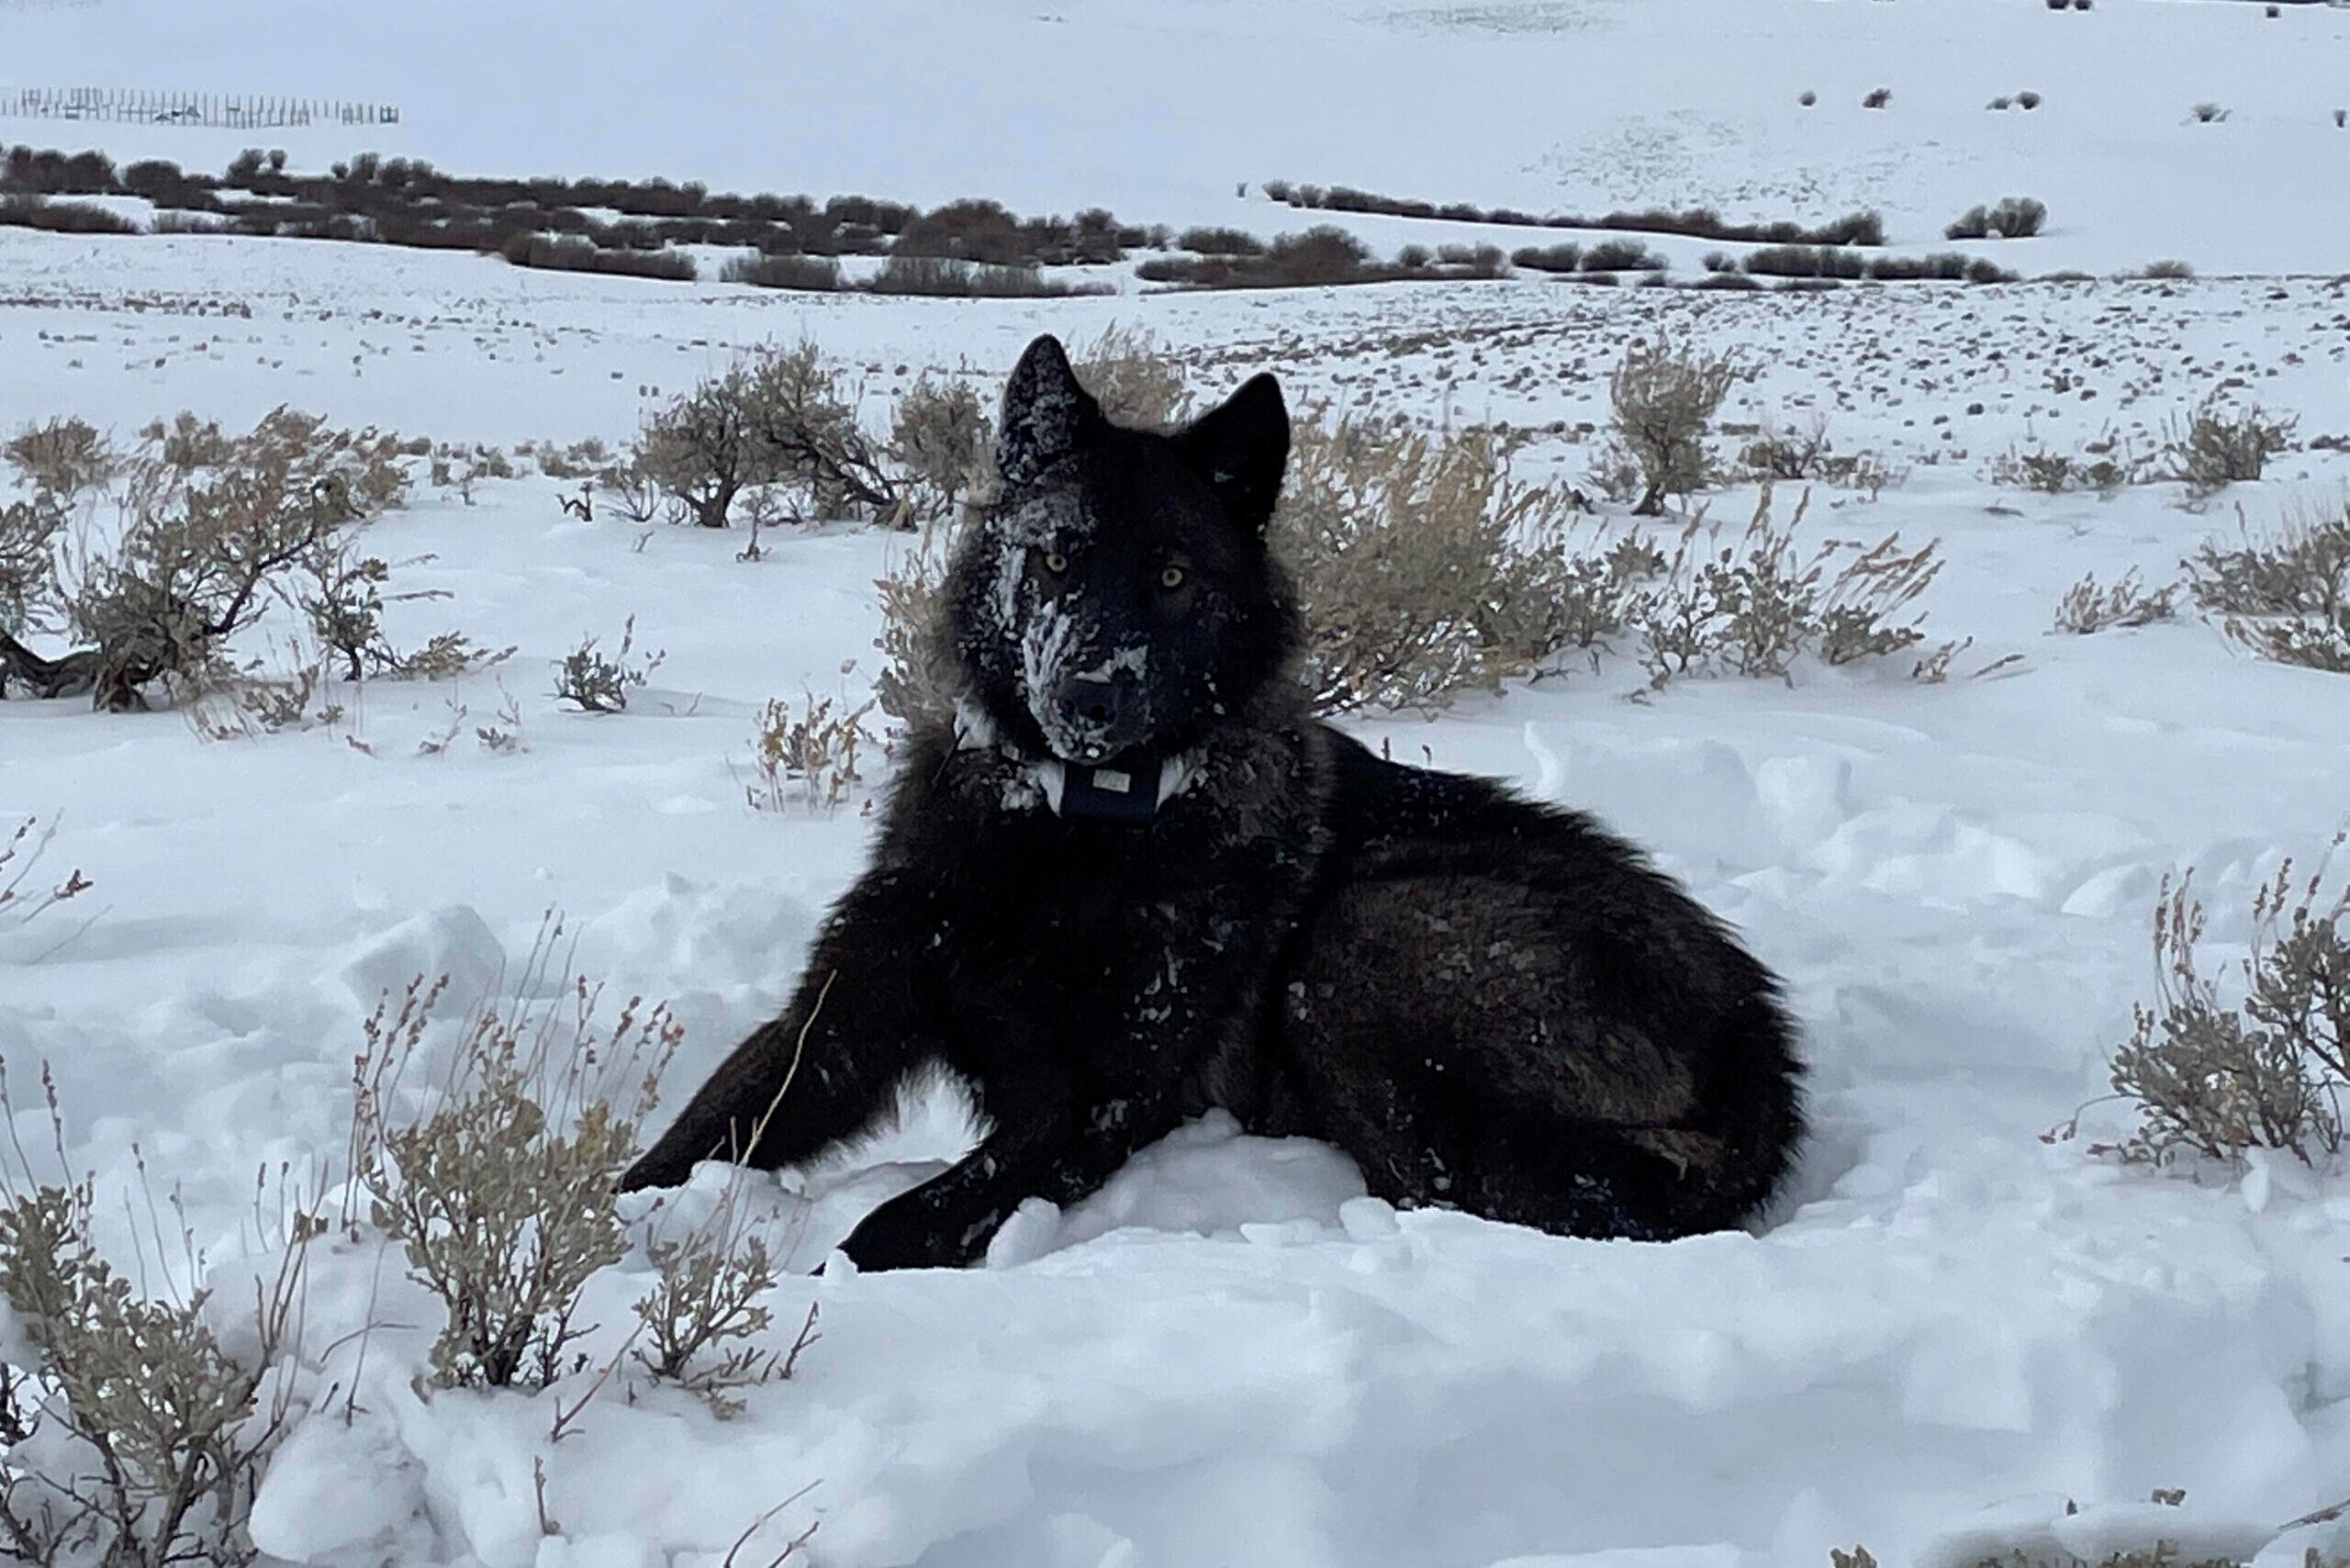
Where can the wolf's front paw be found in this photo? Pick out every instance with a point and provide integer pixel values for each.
(906, 1235)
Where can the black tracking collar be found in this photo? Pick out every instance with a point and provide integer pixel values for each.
(1123, 789)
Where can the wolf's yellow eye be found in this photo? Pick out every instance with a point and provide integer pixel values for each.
(1056, 563)
(1172, 577)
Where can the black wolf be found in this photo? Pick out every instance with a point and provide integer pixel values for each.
(1134, 879)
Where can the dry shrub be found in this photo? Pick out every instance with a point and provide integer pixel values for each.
(186, 443)
(29, 533)
(1563, 257)
(1621, 256)
(779, 418)
(702, 1325)
(569, 253)
(919, 673)
(1663, 396)
(2285, 594)
(2262, 1065)
(940, 435)
(2220, 445)
(579, 460)
(63, 217)
(806, 423)
(809, 753)
(594, 684)
(944, 277)
(2013, 218)
(2105, 465)
(207, 545)
(1797, 455)
(1322, 255)
(1753, 606)
(1208, 241)
(1131, 378)
(813, 274)
(134, 1434)
(21, 901)
(1422, 567)
(500, 1191)
(702, 449)
(343, 592)
(62, 456)
(2090, 606)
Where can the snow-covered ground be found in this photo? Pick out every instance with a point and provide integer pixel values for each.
(1230, 1356)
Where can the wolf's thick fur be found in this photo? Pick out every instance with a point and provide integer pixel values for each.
(1492, 1004)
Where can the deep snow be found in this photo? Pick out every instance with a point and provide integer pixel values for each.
(1230, 1355)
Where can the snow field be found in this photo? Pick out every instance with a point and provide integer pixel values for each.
(1230, 1354)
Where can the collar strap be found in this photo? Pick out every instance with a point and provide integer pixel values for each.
(1129, 787)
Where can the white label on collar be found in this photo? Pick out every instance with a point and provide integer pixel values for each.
(1112, 781)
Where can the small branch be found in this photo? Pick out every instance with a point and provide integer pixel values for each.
(805, 1337)
(756, 1525)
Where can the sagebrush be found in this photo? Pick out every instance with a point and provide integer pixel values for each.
(2218, 1064)
(135, 1435)
(499, 1187)
(1662, 398)
(2285, 593)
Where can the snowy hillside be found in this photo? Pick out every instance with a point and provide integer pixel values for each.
(1957, 1329)
(1160, 111)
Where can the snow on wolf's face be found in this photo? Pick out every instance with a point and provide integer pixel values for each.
(1118, 594)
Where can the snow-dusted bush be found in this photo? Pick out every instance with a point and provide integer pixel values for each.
(2284, 594)
(702, 1327)
(215, 529)
(1787, 454)
(2221, 444)
(779, 417)
(2090, 606)
(135, 1437)
(1134, 379)
(918, 673)
(1662, 398)
(1619, 256)
(593, 683)
(2105, 465)
(940, 435)
(501, 1192)
(1755, 605)
(1422, 567)
(702, 448)
(29, 532)
(2259, 1061)
(63, 456)
(811, 275)
(2013, 218)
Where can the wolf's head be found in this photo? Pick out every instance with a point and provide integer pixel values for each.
(1118, 594)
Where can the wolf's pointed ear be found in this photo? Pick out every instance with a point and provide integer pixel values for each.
(1241, 448)
(1047, 415)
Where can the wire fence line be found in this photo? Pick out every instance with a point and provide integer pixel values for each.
(213, 110)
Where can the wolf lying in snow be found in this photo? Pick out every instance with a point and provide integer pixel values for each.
(1135, 878)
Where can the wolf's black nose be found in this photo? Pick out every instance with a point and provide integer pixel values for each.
(1108, 704)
